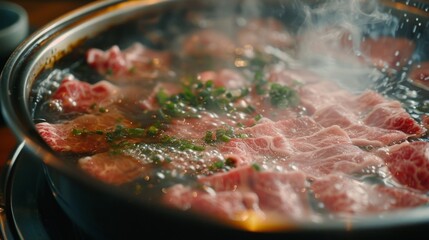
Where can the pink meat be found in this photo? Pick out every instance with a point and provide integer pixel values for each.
(262, 32)
(224, 78)
(360, 133)
(419, 74)
(208, 43)
(289, 128)
(151, 103)
(369, 108)
(196, 128)
(284, 193)
(133, 63)
(127, 163)
(60, 136)
(238, 191)
(368, 118)
(341, 158)
(409, 164)
(388, 52)
(343, 195)
(322, 94)
(111, 168)
(327, 151)
(391, 115)
(265, 109)
(77, 96)
(382, 112)
(231, 180)
(230, 205)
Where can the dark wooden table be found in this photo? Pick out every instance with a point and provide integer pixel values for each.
(39, 13)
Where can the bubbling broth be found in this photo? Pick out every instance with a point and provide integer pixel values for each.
(245, 116)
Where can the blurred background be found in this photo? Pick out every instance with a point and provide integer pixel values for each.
(41, 12)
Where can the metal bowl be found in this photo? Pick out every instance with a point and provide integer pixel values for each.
(107, 212)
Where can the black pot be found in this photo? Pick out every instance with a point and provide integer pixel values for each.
(105, 212)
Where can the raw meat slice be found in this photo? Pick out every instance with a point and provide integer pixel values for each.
(133, 63)
(196, 128)
(289, 128)
(419, 74)
(77, 96)
(226, 78)
(327, 151)
(284, 193)
(340, 158)
(239, 192)
(322, 94)
(230, 205)
(360, 133)
(85, 134)
(150, 102)
(115, 169)
(260, 33)
(409, 164)
(343, 195)
(388, 52)
(391, 115)
(208, 43)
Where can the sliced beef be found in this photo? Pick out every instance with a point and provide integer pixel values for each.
(231, 180)
(322, 94)
(388, 52)
(150, 101)
(231, 205)
(227, 78)
(368, 118)
(196, 128)
(77, 96)
(262, 32)
(85, 134)
(208, 43)
(123, 163)
(241, 192)
(343, 195)
(334, 159)
(409, 164)
(133, 63)
(379, 111)
(289, 128)
(369, 108)
(419, 75)
(361, 134)
(391, 115)
(283, 193)
(326, 151)
(113, 168)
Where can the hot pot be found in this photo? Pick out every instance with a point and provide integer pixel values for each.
(105, 212)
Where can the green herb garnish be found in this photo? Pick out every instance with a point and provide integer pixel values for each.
(283, 96)
(222, 135)
(181, 144)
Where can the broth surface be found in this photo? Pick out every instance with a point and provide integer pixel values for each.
(256, 121)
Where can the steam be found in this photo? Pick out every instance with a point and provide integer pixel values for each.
(330, 38)
(330, 34)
